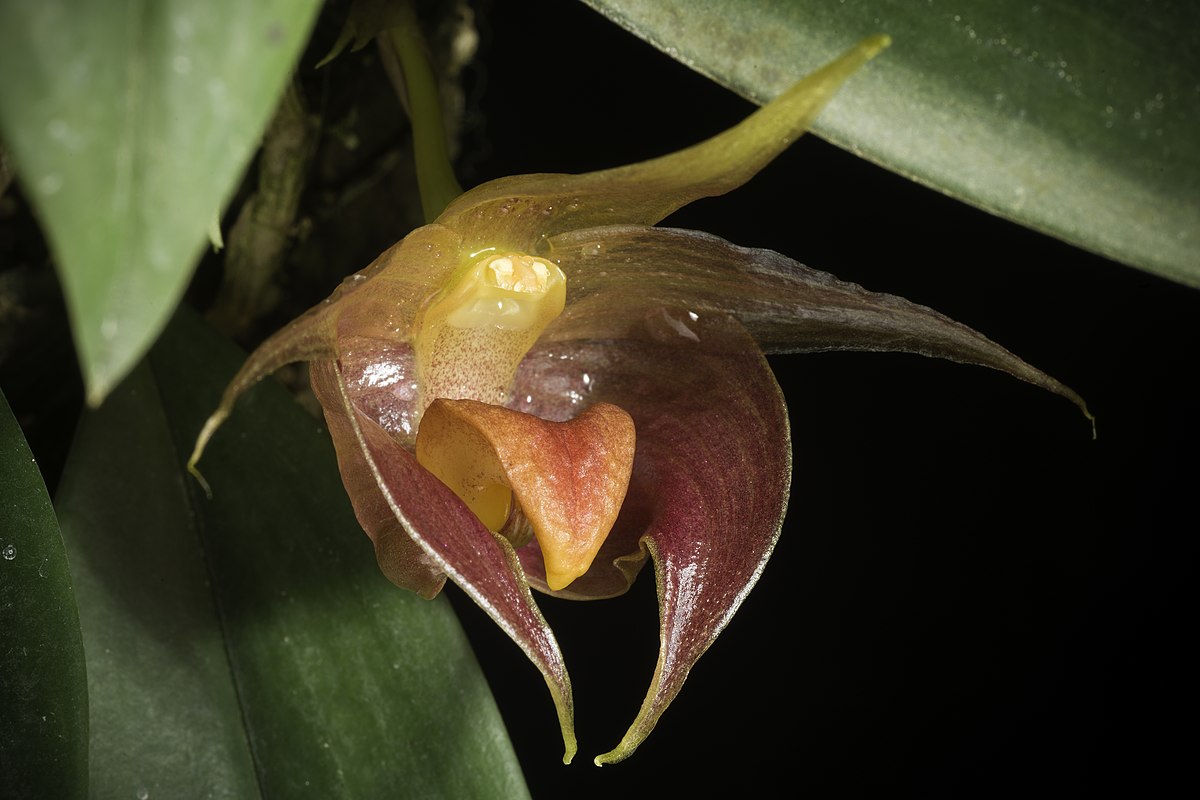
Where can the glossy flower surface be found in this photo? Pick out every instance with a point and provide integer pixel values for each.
(542, 389)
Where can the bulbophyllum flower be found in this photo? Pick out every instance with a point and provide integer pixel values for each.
(542, 389)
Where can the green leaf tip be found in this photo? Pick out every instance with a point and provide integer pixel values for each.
(128, 130)
(215, 239)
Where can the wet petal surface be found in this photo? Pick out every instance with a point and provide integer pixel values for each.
(484, 565)
(616, 273)
(710, 479)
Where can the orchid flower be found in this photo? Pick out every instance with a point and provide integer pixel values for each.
(540, 389)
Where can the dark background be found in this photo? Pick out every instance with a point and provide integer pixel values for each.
(970, 597)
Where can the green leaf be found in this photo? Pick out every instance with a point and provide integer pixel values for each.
(312, 676)
(1079, 119)
(129, 123)
(43, 688)
(165, 720)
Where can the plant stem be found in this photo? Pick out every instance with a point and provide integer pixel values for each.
(417, 86)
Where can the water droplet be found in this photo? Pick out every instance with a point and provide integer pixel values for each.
(182, 27)
(217, 90)
(9, 552)
(50, 183)
(664, 326)
(143, 794)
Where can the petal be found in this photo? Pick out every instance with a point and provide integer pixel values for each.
(567, 478)
(646, 328)
(381, 377)
(482, 564)
(518, 212)
(391, 291)
(379, 302)
(618, 561)
(401, 559)
(616, 273)
(711, 473)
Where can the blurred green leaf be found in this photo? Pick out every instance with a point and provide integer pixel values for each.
(348, 687)
(129, 124)
(1080, 119)
(43, 687)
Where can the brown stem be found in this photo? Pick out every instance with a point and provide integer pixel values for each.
(258, 241)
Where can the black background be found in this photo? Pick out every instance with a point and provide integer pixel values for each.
(970, 597)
